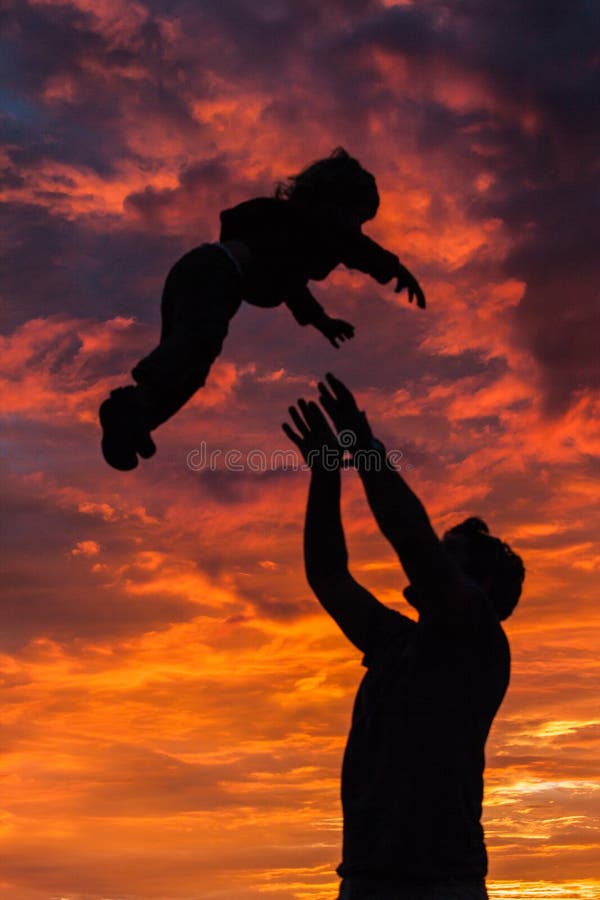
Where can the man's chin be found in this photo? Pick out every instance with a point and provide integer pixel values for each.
(411, 596)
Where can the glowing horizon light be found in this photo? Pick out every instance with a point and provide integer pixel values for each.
(537, 890)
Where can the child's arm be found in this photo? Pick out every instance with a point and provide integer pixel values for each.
(308, 311)
(362, 253)
(304, 307)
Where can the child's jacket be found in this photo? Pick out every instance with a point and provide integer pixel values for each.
(291, 245)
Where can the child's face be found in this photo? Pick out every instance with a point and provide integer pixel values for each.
(351, 215)
(356, 214)
(366, 207)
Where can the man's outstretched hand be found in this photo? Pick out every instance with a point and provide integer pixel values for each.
(339, 404)
(314, 437)
(406, 279)
(336, 330)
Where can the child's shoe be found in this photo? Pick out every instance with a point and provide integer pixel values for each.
(125, 433)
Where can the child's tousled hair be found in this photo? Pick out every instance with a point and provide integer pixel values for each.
(337, 180)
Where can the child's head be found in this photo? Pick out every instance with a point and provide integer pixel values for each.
(337, 181)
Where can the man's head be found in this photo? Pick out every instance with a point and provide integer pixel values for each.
(488, 561)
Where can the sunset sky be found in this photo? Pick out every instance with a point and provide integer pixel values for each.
(175, 703)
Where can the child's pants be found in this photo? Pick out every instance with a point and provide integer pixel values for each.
(201, 294)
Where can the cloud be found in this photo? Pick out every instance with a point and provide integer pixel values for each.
(176, 701)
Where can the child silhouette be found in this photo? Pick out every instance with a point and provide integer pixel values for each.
(269, 249)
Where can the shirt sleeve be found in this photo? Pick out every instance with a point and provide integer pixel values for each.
(303, 306)
(386, 626)
(362, 253)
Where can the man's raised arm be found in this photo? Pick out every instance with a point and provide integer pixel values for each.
(398, 511)
(325, 554)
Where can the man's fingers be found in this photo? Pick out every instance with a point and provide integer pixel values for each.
(336, 385)
(297, 419)
(324, 389)
(327, 399)
(294, 438)
(341, 392)
(330, 407)
(314, 416)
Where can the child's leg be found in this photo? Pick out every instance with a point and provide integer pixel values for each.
(201, 294)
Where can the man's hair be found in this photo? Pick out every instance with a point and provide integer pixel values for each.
(489, 556)
(339, 180)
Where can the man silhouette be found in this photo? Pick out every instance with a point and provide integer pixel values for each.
(412, 777)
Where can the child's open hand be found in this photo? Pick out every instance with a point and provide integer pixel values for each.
(407, 280)
(336, 330)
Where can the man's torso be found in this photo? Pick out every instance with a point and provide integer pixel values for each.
(412, 779)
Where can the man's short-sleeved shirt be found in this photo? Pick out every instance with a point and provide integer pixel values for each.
(412, 778)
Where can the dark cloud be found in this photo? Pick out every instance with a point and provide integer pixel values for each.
(167, 608)
(204, 188)
(88, 267)
(555, 254)
(83, 85)
(535, 59)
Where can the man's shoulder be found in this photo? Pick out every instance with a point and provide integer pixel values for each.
(387, 628)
